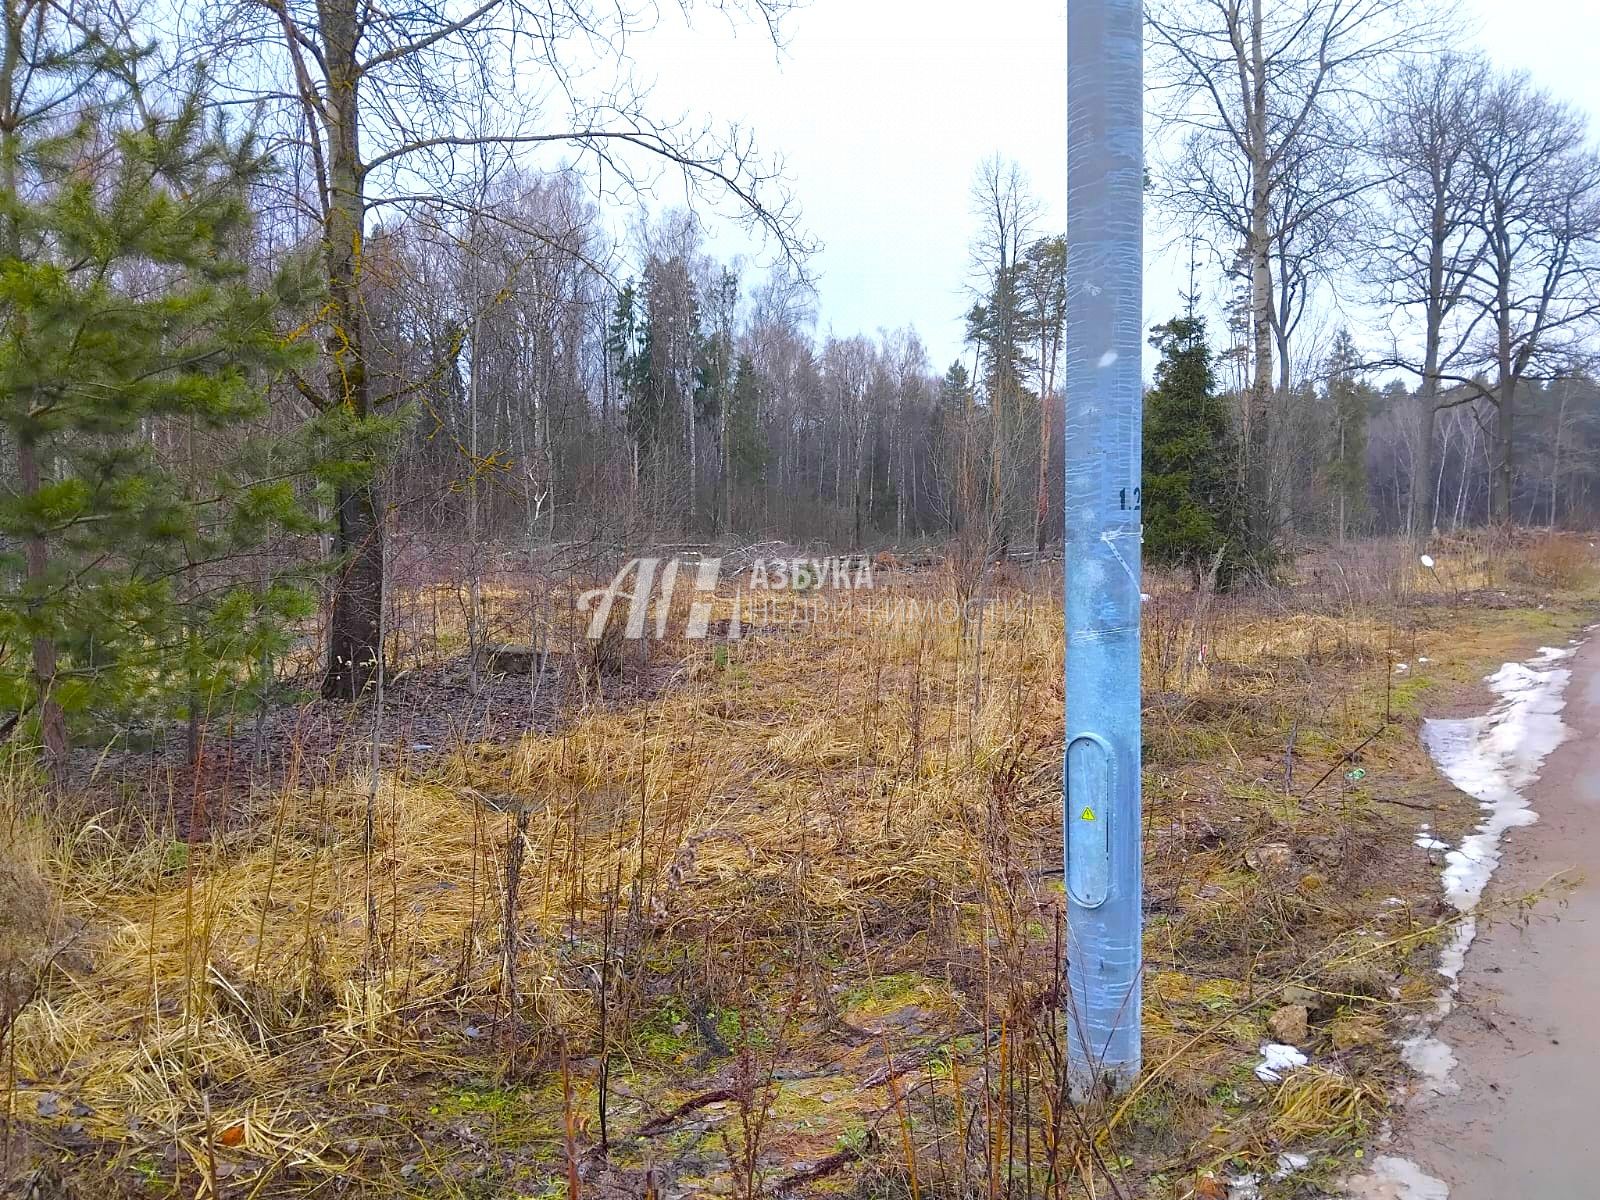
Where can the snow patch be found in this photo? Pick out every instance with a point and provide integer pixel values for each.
(1248, 1187)
(1492, 758)
(1433, 1061)
(1289, 1163)
(1277, 1060)
(1394, 1178)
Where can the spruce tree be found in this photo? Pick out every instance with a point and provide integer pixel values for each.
(1193, 510)
(127, 320)
(627, 344)
(748, 450)
(1349, 401)
(954, 432)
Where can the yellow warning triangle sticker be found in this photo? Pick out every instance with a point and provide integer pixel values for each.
(1087, 814)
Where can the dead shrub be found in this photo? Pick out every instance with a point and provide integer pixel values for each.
(601, 657)
(1555, 561)
(27, 924)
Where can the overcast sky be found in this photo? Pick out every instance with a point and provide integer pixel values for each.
(884, 108)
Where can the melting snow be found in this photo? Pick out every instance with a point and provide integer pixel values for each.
(1289, 1163)
(1248, 1187)
(1492, 758)
(1394, 1178)
(1433, 1060)
(1277, 1060)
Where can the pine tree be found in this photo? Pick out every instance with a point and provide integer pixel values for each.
(126, 311)
(1193, 512)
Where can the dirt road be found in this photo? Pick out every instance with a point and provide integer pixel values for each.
(1525, 1122)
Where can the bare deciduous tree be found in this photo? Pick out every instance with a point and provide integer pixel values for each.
(1257, 93)
(394, 108)
(1008, 215)
(1537, 283)
(1429, 245)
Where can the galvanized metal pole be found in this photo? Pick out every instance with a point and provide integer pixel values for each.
(1104, 340)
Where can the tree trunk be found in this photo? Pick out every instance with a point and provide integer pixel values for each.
(1505, 397)
(690, 440)
(474, 596)
(354, 651)
(353, 648)
(1263, 508)
(1041, 498)
(872, 491)
(1555, 453)
(855, 543)
(36, 552)
(1420, 516)
(52, 721)
(860, 448)
(1500, 480)
(1344, 488)
(1436, 481)
(727, 462)
(997, 465)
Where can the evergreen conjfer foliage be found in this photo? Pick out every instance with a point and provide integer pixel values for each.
(628, 347)
(659, 353)
(747, 449)
(1350, 401)
(1193, 510)
(128, 324)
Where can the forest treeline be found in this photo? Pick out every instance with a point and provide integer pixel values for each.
(282, 279)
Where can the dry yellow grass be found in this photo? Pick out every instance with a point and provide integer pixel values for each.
(786, 824)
